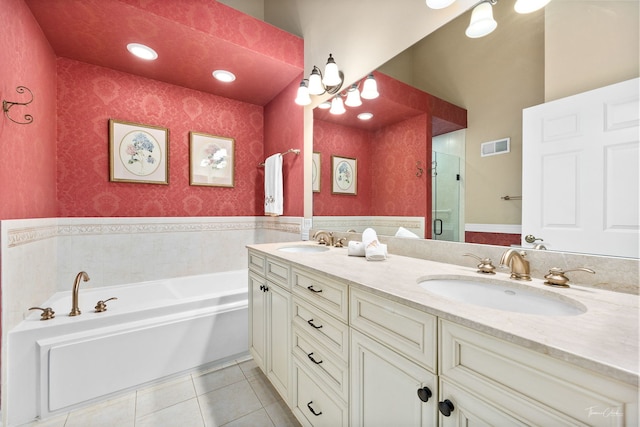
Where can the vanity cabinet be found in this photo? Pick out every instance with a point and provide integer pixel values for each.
(495, 381)
(350, 356)
(270, 321)
(320, 350)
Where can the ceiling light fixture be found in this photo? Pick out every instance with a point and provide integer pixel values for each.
(353, 96)
(439, 4)
(224, 76)
(482, 22)
(142, 51)
(365, 116)
(319, 84)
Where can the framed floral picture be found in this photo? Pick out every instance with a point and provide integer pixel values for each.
(344, 176)
(138, 153)
(211, 160)
(315, 172)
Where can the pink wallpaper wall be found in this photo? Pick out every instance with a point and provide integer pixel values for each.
(283, 130)
(331, 139)
(27, 152)
(88, 96)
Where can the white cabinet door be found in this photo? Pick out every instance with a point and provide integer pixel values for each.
(385, 387)
(461, 408)
(580, 179)
(279, 339)
(257, 316)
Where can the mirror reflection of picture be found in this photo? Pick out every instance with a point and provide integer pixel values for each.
(344, 175)
(315, 172)
(211, 160)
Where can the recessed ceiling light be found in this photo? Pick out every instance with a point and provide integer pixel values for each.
(365, 116)
(142, 51)
(224, 75)
(325, 105)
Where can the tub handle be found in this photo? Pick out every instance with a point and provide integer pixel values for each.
(102, 305)
(47, 313)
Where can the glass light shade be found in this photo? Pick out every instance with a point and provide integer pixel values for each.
(331, 73)
(224, 76)
(439, 4)
(315, 83)
(365, 116)
(528, 6)
(325, 105)
(303, 97)
(353, 97)
(142, 51)
(337, 107)
(370, 88)
(482, 22)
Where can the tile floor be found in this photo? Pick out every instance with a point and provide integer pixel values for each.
(236, 394)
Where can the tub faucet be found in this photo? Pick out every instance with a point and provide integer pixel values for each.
(516, 262)
(75, 311)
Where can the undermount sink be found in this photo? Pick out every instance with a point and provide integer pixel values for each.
(304, 249)
(503, 297)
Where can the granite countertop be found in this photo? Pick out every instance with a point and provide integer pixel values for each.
(603, 339)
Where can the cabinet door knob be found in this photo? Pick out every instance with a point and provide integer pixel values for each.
(424, 394)
(310, 356)
(310, 322)
(311, 409)
(446, 407)
(310, 287)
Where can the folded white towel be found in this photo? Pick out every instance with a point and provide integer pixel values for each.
(403, 232)
(373, 249)
(273, 193)
(355, 248)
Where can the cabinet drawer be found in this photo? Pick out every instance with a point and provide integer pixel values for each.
(481, 363)
(322, 362)
(327, 330)
(257, 262)
(278, 272)
(325, 293)
(409, 331)
(313, 405)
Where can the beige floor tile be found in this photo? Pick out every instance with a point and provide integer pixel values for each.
(264, 390)
(118, 412)
(183, 414)
(163, 395)
(217, 379)
(228, 404)
(281, 415)
(250, 368)
(258, 418)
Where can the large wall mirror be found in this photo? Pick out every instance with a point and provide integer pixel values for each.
(567, 48)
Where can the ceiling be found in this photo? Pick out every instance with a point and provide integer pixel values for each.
(194, 38)
(191, 40)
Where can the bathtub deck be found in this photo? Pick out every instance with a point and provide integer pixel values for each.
(190, 401)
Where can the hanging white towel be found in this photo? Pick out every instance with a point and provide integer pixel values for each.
(273, 193)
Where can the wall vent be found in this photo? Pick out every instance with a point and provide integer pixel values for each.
(492, 148)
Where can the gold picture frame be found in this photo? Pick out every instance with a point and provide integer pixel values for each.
(138, 153)
(211, 160)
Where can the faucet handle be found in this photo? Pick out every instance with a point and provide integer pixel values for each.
(485, 266)
(556, 276)
(340, 242)
(47, 313)
(102, 305)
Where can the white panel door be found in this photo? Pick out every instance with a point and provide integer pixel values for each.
(580, 182)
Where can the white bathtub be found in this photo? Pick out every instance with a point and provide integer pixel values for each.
(153, 330)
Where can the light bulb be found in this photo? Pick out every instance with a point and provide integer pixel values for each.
(353, 97)
(303, 97)
(337, 107)
(482, 22)
(331, 73)
(439, 4)
(315, 82)
(370, 88)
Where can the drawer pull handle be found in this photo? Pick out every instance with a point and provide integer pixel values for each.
(310, 322)
(311, 409)
(310, 287)
(446, 407)
(424, 394)
(310, 356)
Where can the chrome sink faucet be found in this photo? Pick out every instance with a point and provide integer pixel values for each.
(75, 311)
(515, 261)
